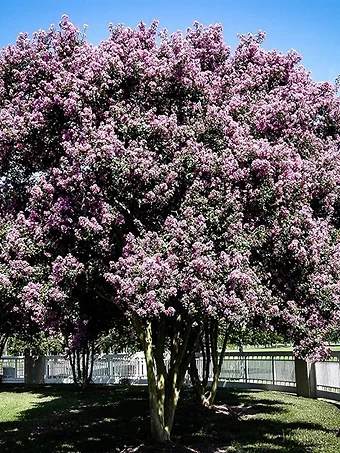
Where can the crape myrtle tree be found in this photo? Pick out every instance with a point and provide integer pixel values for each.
(163, 177)
(100, 147)
(268, 146)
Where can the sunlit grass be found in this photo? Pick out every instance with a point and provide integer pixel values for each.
(12, 406)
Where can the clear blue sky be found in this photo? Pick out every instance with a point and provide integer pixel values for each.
(310, 26)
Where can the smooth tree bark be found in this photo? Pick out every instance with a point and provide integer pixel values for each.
(205, 383)
(82, 360)
(165, 375)
(3, 340)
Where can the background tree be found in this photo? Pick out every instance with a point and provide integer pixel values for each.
(34, 345)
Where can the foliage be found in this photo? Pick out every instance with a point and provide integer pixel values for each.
(122, 339)
(255, 337)
(34, 345)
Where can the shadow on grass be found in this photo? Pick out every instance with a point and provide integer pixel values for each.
(241, 422)
(98, 420)
(112, 419)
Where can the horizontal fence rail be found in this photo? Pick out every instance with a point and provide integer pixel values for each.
(268, 370)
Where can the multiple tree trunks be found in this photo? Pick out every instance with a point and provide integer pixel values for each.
(82, 361)
(212, 356)
(165, 377)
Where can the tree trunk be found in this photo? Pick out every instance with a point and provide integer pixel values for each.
(160, 432)
(164, 382)
(209, 349)
(3, 341)
(82, 361)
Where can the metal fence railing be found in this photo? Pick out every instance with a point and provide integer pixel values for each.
(107, 369)
(270, 370)
(12, 369)
(328, 377)
(259, 369)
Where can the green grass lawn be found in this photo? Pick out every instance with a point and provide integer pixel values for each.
(61, 419)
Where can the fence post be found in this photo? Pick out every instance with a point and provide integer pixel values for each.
(305, 378)
(34, 370)
(245, 368)
(46, 368)
(109, 359)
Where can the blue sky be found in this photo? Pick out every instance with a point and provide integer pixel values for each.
(309, 26)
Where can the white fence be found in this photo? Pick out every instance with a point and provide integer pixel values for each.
(12, 369)
(269, 370)
(107, 369)
(328, 377)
